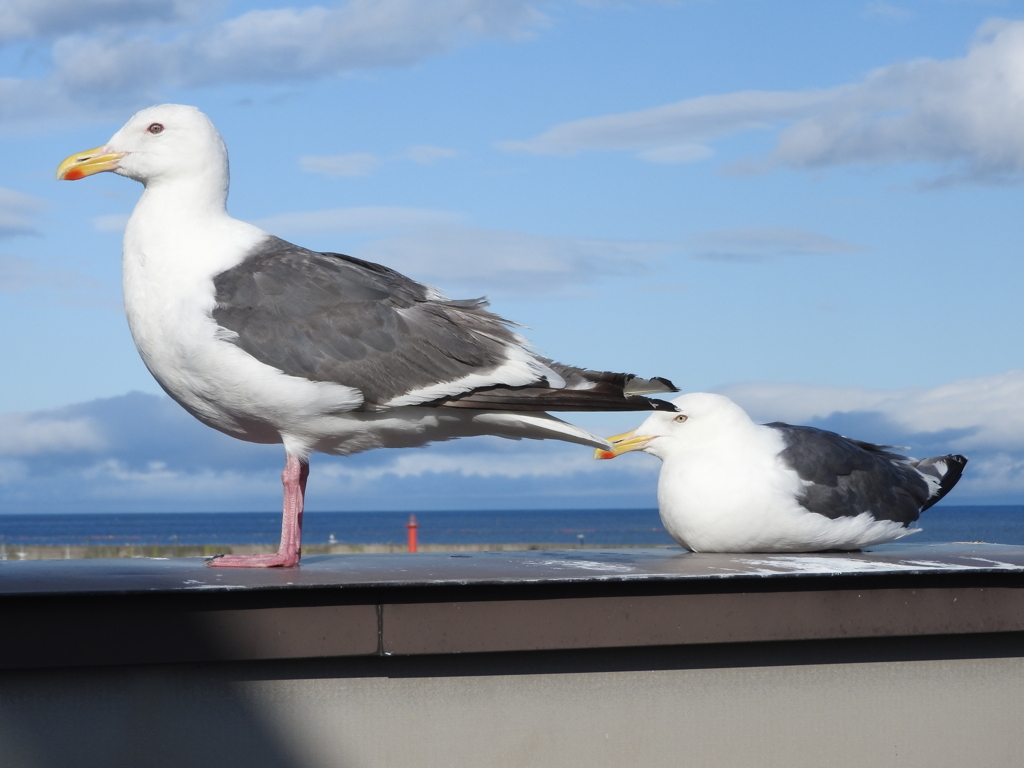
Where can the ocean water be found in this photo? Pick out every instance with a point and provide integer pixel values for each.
(994, 524)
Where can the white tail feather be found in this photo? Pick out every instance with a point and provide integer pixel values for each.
(537, 426)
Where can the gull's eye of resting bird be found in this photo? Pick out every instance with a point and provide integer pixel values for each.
(680, 418)
(155, 128)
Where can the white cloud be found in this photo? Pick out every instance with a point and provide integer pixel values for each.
(114, 479)
(488, 259)
(357, 164)
(989, 409)
(755, 244)
(798, 403)
(26, 103)
(981, 417)
(26, 19)
(999, 474)
(440, 246)
(962, 113)
(106, 56)
(560, 463)
(144, 452)
(965, 112)
(437, 247)
(356, 220)
(31, 434)
(17, 212)
(112, 54)
(659, 132)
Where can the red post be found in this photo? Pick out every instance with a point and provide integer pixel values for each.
(412, 525)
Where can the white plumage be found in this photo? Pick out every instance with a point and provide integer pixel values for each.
(730, 485)
(272, 343)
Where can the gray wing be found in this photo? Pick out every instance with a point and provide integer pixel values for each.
(846, 477)
(329, 317)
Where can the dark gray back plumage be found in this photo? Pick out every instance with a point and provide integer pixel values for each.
(334, 318)
(847, 477)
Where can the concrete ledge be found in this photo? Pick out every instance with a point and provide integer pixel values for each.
(897, 657)
(146, 611)
(607, 622)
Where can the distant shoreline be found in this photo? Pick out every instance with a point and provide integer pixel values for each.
(205, 534)
(91, 551)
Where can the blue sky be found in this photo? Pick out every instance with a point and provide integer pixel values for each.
(814, 207)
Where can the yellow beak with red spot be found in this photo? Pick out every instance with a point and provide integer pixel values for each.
(624, 443)
(83, 164)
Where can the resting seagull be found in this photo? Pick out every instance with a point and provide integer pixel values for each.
(730, 485)
(273, 343)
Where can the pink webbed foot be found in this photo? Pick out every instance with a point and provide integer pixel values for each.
(294, 479)
(267, 560)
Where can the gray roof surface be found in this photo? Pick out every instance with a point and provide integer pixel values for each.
(574, 566)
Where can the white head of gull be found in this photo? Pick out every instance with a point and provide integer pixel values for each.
(274, 343)
(730, 485)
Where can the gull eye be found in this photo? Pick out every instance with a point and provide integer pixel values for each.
(155, 128)
(680, 418)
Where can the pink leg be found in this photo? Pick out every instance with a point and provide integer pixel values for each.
(294, 479)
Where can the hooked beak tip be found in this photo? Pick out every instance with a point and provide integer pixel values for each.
(87, 163)
(623, 443)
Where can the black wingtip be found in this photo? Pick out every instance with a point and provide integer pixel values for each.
(662, 405)
(955, 464)
(657, 385)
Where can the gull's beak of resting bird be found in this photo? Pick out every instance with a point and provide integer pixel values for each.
(83, 164)
(624, 443)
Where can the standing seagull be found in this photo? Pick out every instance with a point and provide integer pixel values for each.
(273, 343)
(730, 485)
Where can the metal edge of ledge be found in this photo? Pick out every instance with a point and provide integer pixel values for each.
(92, 634)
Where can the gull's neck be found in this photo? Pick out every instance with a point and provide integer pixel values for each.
(181, 226)
(198, 199)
